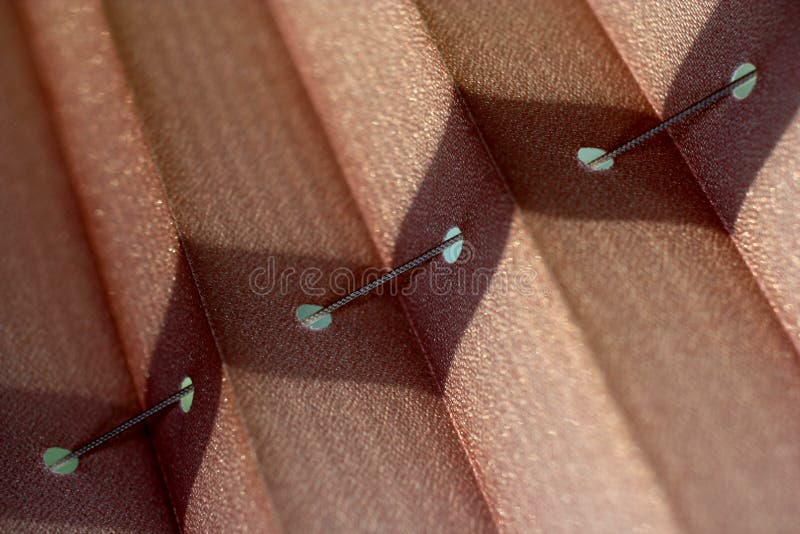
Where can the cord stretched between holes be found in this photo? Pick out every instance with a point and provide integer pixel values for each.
(382, 280)
(678, 117)
(133, 421)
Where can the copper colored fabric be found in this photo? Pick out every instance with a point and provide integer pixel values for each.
(744, 154)
(347, 424)
(512, 363)
(208, 464)
(696, 358)
(614, 352)
(63, 378)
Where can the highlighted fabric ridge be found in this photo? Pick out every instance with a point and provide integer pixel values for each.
(452, 252)
(188, 398)
(54, 454)
(588, 154)
(307, 310)
(743, 91)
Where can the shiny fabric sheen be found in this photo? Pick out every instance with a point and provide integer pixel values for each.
(691, 349)
(347, 425)
(209, 467)
(64, 379)
(744, 154)
(178, 178)
(521, 385)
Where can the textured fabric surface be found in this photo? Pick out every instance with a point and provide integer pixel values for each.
(613, 352)
(209, 467)
(521, 385)
(347, 423)
(64, 379)
(744, 153)
(690, 348)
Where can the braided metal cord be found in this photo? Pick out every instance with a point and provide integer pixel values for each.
(382, 280)
(678, 117)
(172, 399)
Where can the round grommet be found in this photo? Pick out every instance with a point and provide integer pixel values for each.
(743, 91)
(306, 310)
(54, 454)
(187, 399)
(452, 252)
(588, 154)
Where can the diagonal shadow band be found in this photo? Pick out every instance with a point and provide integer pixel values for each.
(727, 146)
(635, 194)
(286, 350)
